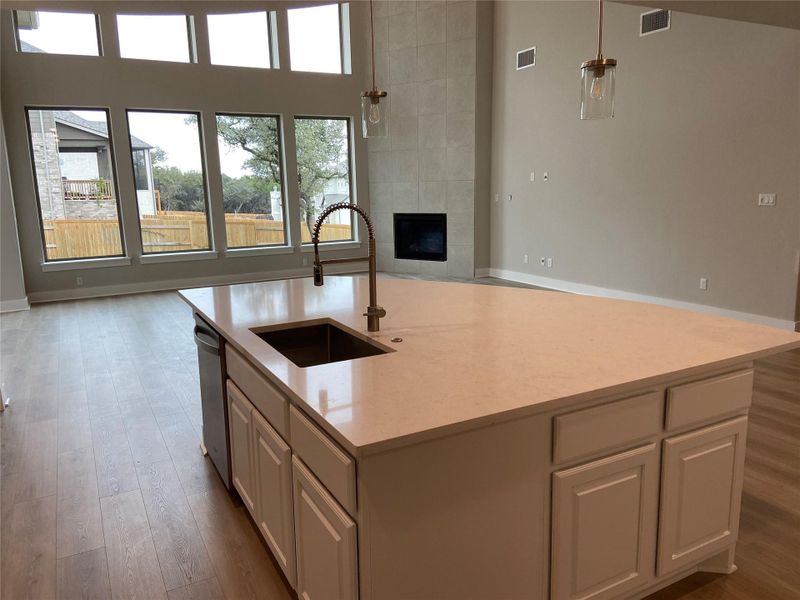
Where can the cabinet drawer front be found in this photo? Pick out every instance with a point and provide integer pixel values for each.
(708, 399)
(613, 425)
(272, 466)
(264, 396)
(701, 491)
(240, 424)
(604, 526)
(332, 465)
(325, 537)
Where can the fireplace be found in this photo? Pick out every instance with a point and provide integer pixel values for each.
(420, 236)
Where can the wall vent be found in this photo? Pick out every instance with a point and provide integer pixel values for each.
(526, 58)
(654, 21)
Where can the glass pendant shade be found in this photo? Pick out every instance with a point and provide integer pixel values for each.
(597, 90)
(374, 117)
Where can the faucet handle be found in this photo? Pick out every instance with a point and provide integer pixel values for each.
(375, 311)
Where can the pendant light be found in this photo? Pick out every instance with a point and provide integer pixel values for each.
(597, 80)
(373, 117)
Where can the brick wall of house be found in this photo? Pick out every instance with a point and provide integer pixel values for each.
(48, 172)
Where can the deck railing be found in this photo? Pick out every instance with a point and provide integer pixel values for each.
(87, 189)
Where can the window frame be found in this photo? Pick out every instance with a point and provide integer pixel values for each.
(113, 161)
(284, 187)
(98, 34)
(206, 195)
(354, 237)
(191, 37)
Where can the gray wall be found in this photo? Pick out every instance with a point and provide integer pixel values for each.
(707, 116)
(427, 59)
(12, 286)
(41, 79)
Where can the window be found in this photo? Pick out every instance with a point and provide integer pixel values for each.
(56, 32)
(75, 183)
(316, 34)
(156, 37)
(171, 193)
(252, 192)
(324, 174)
(242, 39)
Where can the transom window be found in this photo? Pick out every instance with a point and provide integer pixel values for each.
(156, 37)
(319, 38)
(75, 183)
(242, 39)
(48, 32)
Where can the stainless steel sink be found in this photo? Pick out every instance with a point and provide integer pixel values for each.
(307, 345)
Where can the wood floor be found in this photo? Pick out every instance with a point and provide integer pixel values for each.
(104, 493)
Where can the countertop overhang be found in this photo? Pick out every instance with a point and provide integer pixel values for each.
(471, 354)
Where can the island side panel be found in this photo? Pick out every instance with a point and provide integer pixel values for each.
(464, 516)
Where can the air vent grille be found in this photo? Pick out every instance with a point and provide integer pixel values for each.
(526, 58)
(654, 21)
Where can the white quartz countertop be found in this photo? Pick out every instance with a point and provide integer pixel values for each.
(471, 354)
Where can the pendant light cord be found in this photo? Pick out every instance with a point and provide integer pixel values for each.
(372, 36)
(599, 32)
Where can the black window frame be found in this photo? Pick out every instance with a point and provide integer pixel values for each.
(350, 163)
(98, 35)
(191, 37)
(282, 167)
(201, 138)
(113, 160)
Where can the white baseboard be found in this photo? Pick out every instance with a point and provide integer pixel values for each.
(177, 284)
(14, 305)
(480, 273)
(591, 290)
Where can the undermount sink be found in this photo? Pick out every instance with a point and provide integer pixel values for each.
(308, 345)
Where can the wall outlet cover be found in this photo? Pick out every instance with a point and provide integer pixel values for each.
(767, 199)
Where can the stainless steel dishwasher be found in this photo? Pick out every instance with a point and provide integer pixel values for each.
(211, 362)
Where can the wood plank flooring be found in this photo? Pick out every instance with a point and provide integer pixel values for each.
(104, 492)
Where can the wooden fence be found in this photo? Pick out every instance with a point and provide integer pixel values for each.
(169, 231)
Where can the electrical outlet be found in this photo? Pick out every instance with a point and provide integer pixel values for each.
(767, 199)
(704, 283)
(305, 261)
(525, 258)
(79, 281)
(497, 197)
(510, 198)
(549, 262)
(542, 260)
(545, 177)
(533, 176)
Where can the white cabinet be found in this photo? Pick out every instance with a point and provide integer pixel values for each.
(240, 415)
(604, 526)
(700, 493)
(273, 482)
(325, 538)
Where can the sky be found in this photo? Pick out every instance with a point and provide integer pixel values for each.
(235, 39)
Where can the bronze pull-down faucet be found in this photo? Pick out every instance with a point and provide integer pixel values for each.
(374, 312)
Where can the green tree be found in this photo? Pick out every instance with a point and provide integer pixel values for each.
(180, 190)
(321, 154)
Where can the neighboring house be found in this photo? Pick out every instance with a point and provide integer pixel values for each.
(74, 168)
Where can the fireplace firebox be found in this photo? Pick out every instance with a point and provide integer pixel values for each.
(420, 236)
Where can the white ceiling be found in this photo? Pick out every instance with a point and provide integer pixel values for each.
(782, 13)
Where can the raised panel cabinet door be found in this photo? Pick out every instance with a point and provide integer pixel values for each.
(604, 526)
(273, 479)
(240, 419)
(701, 493)
(325, 538)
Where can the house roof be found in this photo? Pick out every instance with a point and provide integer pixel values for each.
(97, 127)
(26, 47)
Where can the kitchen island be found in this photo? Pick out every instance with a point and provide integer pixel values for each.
(515, 444)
